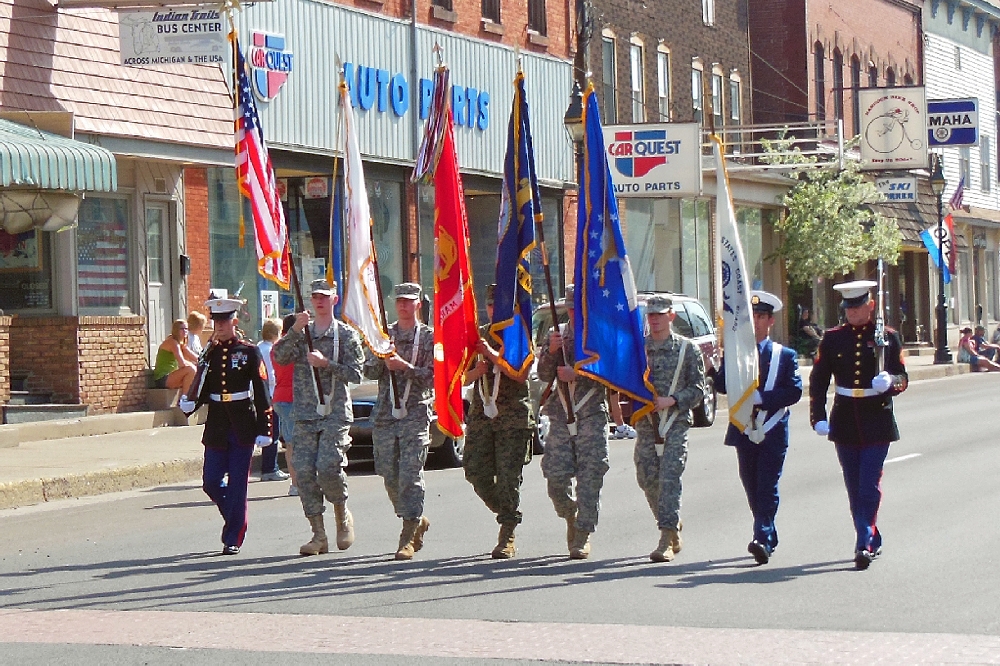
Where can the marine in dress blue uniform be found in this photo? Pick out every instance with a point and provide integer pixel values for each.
(239, 411)
(761, 449)
(861, 423)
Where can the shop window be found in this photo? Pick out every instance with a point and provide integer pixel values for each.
(696, 267)
(491, 10)
(25, 270)
(385, 197)
(610, 79)
(536, 17)
(748, 225)
(102, 246)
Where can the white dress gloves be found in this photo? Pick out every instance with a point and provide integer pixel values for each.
(822, 428)
(187, 406)
(882, 382)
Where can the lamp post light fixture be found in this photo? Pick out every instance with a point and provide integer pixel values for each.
(937, 182)
(573, 121)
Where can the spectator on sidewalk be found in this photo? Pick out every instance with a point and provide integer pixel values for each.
(968, 352)
(196, 324)
(986, 349)
(175, 363)
(269, 470)
(281, 403)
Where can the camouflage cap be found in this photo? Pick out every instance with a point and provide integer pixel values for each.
(321, 286)
(491, 290)
(408, 290)
(659, 305)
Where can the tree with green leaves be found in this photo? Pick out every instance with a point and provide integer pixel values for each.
(830, 227)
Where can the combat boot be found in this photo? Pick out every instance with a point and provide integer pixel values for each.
(580, 548)
(505, 542)
(676, 543)
(318, 544)
(570, 530)
(663, 552)
(405, 550)
(345, 526)
(418, 536)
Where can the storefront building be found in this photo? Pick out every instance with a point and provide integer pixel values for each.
(389, 79)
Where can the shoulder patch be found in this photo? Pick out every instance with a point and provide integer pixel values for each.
(262, 370)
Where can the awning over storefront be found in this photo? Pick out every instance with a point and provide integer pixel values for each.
(33, 158)
(913, 218)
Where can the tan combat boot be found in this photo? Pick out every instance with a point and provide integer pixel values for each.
(570, 530)
(580, 548)
(418, 536)
(405, 550)
(505, 542)
(663, 552)
(318, 544)
(675, 538)
(345, 526)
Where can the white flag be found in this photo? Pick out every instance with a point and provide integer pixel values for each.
(738, 337)
(362, 306)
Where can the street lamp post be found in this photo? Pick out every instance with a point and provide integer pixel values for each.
(573, 120)
(941, 354)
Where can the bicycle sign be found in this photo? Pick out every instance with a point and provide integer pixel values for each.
(893, 128)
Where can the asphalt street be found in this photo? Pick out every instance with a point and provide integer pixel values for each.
(155, 550)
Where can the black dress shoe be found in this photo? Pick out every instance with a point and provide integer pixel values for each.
(760, 552)
(231, 550)
(862, 559)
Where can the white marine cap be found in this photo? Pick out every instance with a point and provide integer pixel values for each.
(222, 309)
(765, 301)
(855, 293)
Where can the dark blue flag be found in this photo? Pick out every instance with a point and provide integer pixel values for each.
(520, 209)
(610, 345)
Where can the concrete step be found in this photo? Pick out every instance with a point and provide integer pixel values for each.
(921, 350)
(30, 413)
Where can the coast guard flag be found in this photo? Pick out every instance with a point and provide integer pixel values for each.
(930, 238)
(456, 327)
(520, 209)
(740, 343)
(362, 305)
(255, 177)
(609, 341)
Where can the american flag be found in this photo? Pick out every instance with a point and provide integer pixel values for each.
(255, 177)
(956, 199)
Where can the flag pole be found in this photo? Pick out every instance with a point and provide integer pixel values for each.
(385, 325)
(302, 308)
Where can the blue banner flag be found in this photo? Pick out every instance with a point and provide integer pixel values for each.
(610, 346)
(520, 209)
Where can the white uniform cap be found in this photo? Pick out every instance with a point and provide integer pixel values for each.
(764, 301)
(855, 293)
(222, 308)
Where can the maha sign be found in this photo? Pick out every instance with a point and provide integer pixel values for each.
(654, 160)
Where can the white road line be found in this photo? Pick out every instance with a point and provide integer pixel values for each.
(901, 458)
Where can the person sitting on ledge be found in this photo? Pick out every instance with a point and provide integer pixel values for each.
(175, 362)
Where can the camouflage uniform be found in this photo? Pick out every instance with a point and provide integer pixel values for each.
(400, 445)
(497, 449)
(585, 455)
(319, 454)
(660, 479)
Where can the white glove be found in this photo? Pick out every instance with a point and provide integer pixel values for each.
(262, 441)
(757, 399)
(822, 428)
(624, 431)
(187, 406)
(882, 382)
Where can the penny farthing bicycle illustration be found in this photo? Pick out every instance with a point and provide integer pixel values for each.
(887, 132)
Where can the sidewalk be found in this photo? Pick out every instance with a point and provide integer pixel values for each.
(105, 454)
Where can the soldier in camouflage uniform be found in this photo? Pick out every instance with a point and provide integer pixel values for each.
(501, 431)
(400, 437)
(582, 454)
(661, 442)
(321, 437)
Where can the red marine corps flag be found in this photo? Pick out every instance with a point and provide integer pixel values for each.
(456, 328)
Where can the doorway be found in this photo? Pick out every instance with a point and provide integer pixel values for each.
(159, 314)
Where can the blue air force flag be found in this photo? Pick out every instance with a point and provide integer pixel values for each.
(609, 341)
(520, 208)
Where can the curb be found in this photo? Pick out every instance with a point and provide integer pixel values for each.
(38, 491)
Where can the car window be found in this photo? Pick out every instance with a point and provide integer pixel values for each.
(700, 322)
(682, 324)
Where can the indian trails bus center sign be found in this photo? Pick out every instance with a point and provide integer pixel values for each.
(195, 35)
(654, 160)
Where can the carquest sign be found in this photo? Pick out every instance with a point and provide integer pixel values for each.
(654, 160)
